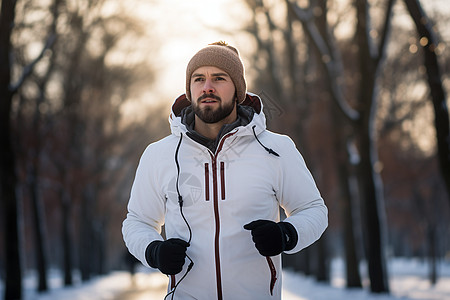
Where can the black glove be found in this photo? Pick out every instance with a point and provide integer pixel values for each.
(167, 256)
(272, 238)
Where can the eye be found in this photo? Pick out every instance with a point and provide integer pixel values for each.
(220, 78)
(198, 79)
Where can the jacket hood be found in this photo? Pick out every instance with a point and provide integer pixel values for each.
(251, 100)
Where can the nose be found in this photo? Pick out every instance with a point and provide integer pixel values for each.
(208, 87)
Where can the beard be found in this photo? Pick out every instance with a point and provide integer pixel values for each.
(210, 115)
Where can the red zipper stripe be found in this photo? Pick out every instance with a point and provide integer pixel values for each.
(217, 216)
(216, 238)
(206, 181)
(222, 178)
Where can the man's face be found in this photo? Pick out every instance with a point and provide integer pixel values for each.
(213, 95)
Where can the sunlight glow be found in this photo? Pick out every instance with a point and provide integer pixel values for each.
(182, 28)
(174, 30)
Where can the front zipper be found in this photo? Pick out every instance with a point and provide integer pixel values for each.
(217, 223)
(216, 209)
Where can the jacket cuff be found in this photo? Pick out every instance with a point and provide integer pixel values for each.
(150, 253)
(290, 235)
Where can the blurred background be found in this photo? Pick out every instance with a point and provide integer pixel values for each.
(360, 86)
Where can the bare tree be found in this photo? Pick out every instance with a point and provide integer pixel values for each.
(32, 160)
(63, 143)
(342, 138)
(429, 41)
(362, 122)
(8, 179)
(353, 68)
(282, 78)
(87, 128)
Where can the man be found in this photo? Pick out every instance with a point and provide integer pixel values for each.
(217, 183)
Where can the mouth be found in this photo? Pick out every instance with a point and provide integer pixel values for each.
(208, 100)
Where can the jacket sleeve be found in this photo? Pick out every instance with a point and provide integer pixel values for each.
(300, 198)
(145, 208)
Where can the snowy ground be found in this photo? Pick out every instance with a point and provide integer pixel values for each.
(408, 280)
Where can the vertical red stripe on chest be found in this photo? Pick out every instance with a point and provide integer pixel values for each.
(206, 181)
(222, 179)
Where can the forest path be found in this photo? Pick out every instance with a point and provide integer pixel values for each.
(151, 286)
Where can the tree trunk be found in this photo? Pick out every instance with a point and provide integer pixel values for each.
(39, 232)
(429, 41)
(369, 179)
(305, 259)
(432, 253)
(39, 227)
(353, 275)
(342, 160)
(86, 240)
(323, 259)
(66, 237)
(8, 178)
(372, 215)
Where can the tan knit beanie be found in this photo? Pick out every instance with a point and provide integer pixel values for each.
(223, 57)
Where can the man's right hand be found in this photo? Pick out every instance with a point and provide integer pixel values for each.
(168, 256)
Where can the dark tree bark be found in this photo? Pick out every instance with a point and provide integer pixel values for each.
(38, 228)
(67, 234)
(88, 251)
(341, 137)
(373, 211)
(353, 276)
(8, 178)
(322, 271)
(35, 149)
(430, 41)
(432, 252)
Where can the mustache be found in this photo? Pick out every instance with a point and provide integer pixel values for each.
(204, 96)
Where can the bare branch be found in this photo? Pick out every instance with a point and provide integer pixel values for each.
(327, 58)
(28, 69)
(385, 33)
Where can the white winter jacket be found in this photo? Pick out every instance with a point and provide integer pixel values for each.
(222, 191)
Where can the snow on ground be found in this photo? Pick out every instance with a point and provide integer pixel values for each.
(408, 281)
